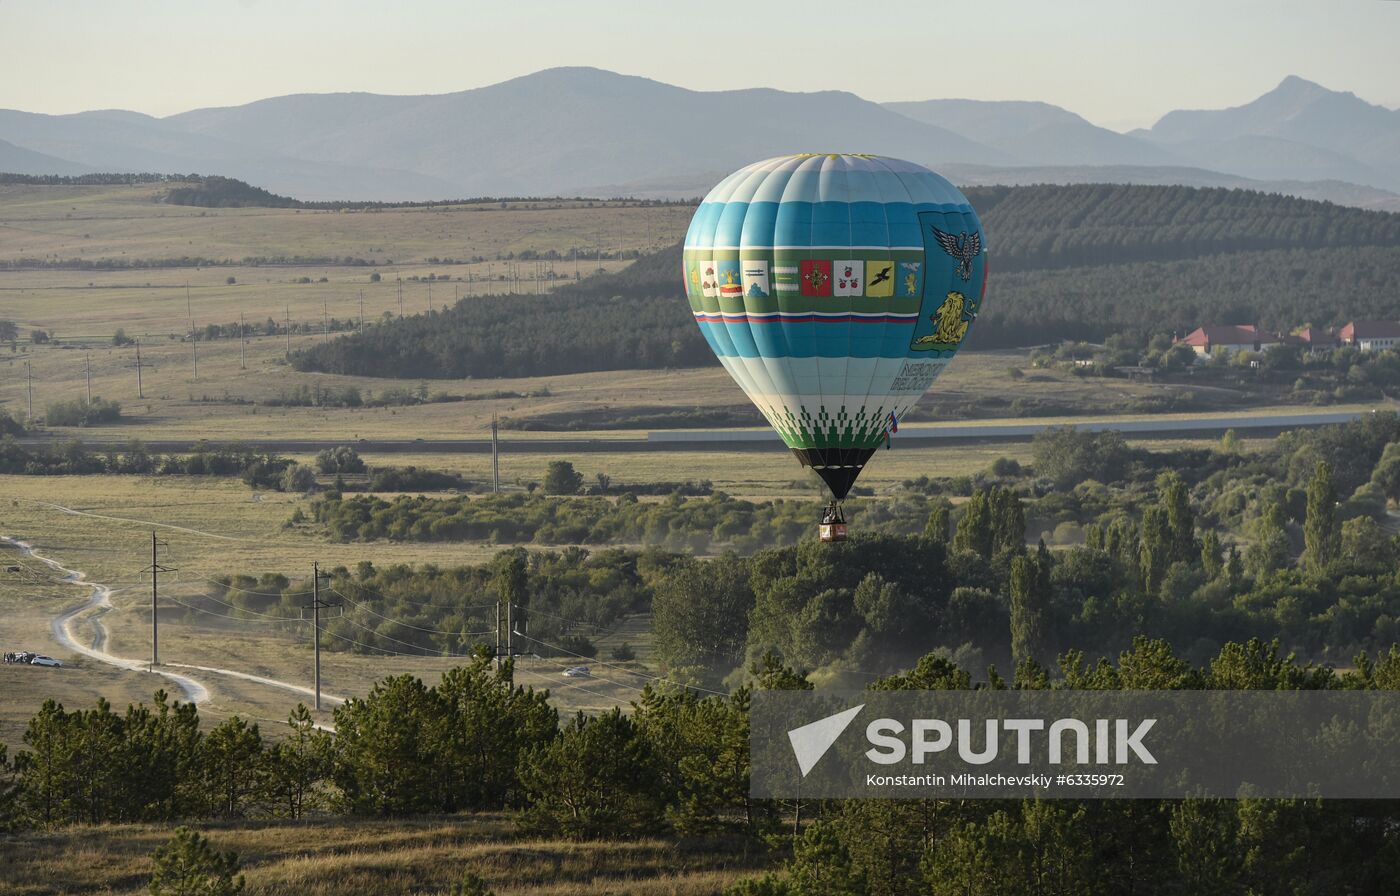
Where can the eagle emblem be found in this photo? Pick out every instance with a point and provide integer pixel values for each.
(965, 247)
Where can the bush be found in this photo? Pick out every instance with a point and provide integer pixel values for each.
(624, 653)
(298, 479)
(471, 884)
(188, 866)
(77, 413)
(562, 479)
(342, 459)
(578, 646)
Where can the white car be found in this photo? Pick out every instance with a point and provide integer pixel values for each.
(577, 672)
(41, 660)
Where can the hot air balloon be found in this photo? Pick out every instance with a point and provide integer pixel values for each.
(835, 288)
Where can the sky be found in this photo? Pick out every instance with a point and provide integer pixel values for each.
(1119, 63)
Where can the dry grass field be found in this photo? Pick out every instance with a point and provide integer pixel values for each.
(341, 858)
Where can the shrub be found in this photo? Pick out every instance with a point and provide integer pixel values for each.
(188, 866)
(77, 413)
(562, 479)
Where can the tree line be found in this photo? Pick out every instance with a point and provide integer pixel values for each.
(679, 762)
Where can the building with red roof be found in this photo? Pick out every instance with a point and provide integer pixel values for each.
(1370, 335)
(1228, 338)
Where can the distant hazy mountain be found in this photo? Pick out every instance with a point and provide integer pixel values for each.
(1037, 133)
(1299, 130)
(564, 129)
(18, 160)
(591, 132)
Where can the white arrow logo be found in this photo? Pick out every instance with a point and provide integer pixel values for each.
(810, 742)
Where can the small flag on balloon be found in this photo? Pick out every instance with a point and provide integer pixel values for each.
(891, 429)
(879, 279)
(849, 274)
(816, 277)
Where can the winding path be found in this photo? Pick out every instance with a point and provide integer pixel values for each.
(100, 600)
(123, 519)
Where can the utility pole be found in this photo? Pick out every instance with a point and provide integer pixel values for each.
(155, 569)
(510, 631)
(242, 343)
(495, 457)
(325, 323)
(316, 606)
(29, 380)
(189, 309)
(498, 634)
(194, 354)
(140, 392)
(288, 328)
(400, 279)
(362, 312)
(87, 374)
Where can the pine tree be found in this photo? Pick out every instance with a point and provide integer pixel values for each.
(231, 756)
(188, 866)
(296, 766)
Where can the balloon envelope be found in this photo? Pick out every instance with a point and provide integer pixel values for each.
(834, 289)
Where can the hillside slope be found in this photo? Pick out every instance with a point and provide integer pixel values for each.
(1078, 262)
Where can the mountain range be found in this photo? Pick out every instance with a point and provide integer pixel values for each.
(584, 131)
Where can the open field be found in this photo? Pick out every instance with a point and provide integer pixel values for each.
(129, 222)
(427, 855)
(228, 401)
(211, 527)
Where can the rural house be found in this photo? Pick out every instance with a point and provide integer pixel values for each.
(1371, 335)
(1229, 338)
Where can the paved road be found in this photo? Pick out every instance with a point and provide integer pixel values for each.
(766, 440)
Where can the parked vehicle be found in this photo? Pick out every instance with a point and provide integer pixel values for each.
(577, 672)
(41, 660)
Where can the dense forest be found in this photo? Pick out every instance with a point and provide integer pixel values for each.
(608, 322)
(1072, 262)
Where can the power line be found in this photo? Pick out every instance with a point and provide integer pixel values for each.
(352, 641)
(416, 603)
(431, 631)
(155, 569)
(257, 593)
(622, 668)
(316, 606)
(532, 611)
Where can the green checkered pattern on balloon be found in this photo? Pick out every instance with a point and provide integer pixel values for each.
(863, 428)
